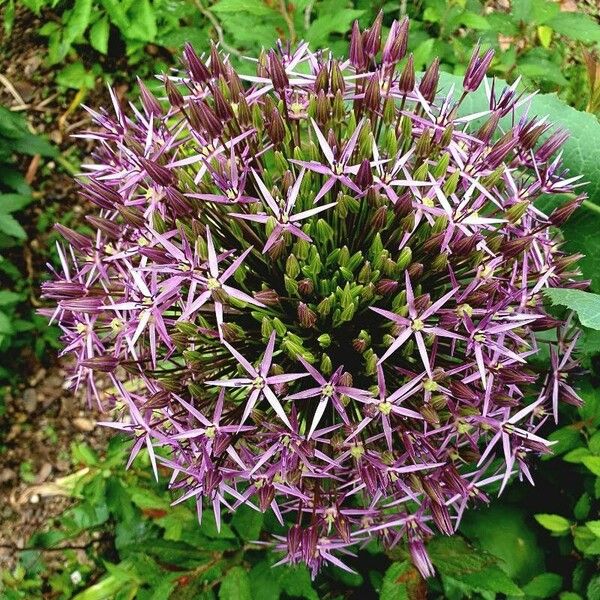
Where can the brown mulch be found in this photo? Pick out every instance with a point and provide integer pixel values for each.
(42, 418)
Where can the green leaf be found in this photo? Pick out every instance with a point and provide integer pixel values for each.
(75, 76)
(582, 507)
(143, 22)
(296, 582)
(592, 463)
(553, 523)
(585, 304)
(546, 585)
(594, 527)
(322, 27)
(235, 585)
(5, 325)
(565, 438)
(474, 21)
(12, 202)
(473, 567)
(394, 582)
(99, 35)
(79, 19)
(576, 26)
(507, 534)
(254, 7)
(7, 297)
(10, 226)
(116, 14)
(247, 523)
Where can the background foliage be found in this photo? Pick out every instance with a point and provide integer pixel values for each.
(120, 538)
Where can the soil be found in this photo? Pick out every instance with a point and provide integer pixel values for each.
(42, 418)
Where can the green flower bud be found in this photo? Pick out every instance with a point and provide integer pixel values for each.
(404, 259)
(326, 366)
(292, 267)
(324, 340)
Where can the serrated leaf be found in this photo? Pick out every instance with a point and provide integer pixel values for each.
(546, 585)
(394, 582)
(8, 297)
(116, 14)
(321, 28)
(235, 585)
(576, 26)
(99, 35)
(474, 21)
(592, 463)
(143, 22)
(79, 19)
(553, 523)
(12, 202)
(254, 7)
(585, 304)
(247, 523)
(594, 527)
(10, 226)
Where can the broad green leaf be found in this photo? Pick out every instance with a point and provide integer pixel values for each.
(553, 523)
(235, 585)
(546, 585)
(576, 26)
(254, 7)
(474, 21)
(75, 76)
(99, 35)
(8, 297)
(296, 582)
(471, 566)
(582, 507)
(5, 325)
(536, 12)
(247, 523)
(566, 439)
(594, 527)
(322, 27)
(12, 202)
(453, 556)
(505, 533)
(116, 14)
(492, 579)
(143, 22)
(592, 463)
(10, 226)
(265, 581)
(79, 19)
(585, 304)
(145, 498)
(394, 582)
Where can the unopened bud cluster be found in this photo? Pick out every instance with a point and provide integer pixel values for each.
(318, 291)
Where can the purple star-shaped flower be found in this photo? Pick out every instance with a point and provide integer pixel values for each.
(217, 281)
(387, 405)
(283, 212)
(338, 168)
(328, 390)
(414, 325)
(259, 381)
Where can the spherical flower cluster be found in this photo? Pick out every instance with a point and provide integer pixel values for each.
(319, 290)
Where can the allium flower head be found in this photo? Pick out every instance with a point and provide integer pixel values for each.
(319, 290)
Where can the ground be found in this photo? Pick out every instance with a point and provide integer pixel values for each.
(42, 418)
